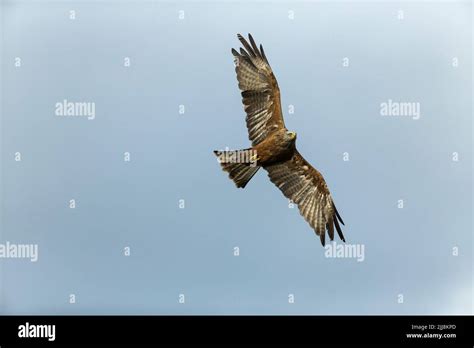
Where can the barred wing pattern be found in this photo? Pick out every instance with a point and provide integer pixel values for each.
(260, 92)
(306, 187)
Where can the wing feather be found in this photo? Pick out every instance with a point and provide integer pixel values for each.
(306, 187)
(260, 91)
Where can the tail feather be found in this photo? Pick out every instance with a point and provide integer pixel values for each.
(240, 173)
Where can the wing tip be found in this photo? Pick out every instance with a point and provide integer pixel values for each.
(322, 237)
(337, 214)
(339, 230)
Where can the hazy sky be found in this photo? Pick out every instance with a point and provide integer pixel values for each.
(336, 64)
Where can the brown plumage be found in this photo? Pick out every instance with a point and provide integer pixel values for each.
(274, 147)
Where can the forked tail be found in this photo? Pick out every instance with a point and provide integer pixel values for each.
(240, 164)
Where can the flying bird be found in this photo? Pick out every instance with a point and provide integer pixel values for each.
(274, 147)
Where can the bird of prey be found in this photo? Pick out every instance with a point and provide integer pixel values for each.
(274, 147)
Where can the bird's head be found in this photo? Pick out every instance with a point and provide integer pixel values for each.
(291, 135)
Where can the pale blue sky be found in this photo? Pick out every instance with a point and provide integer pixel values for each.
(190, 251)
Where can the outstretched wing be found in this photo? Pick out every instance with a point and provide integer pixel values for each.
(306, 187)
(260, 92)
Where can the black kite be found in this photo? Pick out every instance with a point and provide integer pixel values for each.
(273, 146)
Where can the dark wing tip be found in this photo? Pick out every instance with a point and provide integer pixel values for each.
(322, 236)
(263, 53)
(330, 228)
(246, 45)
(255, 47)
(244, 53)
(235, 53)
(339, 231)
(337, 214)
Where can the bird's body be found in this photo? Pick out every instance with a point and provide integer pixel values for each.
(274, 147)
(278, 147)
